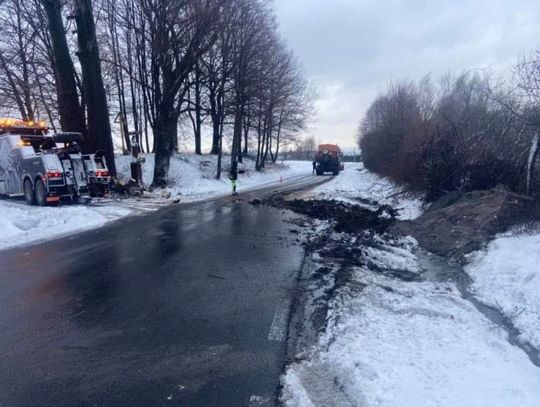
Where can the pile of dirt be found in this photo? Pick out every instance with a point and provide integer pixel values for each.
(345, 217)
(459, 223)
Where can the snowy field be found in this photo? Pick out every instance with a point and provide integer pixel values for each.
(506, 276)
(358, 186)
(191, 179)
(392, 343)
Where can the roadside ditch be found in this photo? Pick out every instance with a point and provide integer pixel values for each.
(339, 237)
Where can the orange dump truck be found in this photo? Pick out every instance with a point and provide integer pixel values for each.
(328, 159)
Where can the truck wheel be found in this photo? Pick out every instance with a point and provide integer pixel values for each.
(41, 193)
(29, 193)
(336, 172)
(319, 172)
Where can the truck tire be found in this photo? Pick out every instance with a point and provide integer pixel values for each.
(336, 172)
(41, 193)
(29, 192)
(319, 172)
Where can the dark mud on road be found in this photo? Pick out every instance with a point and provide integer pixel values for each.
(335, 248)
(345, 217)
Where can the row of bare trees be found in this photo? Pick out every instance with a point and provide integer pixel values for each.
(153, 68)
(464, 132)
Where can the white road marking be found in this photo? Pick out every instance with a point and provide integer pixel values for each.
(258, 401)
(278, 329)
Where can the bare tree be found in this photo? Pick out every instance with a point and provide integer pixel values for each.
(176, 34)
(99, 127)
(72, 116)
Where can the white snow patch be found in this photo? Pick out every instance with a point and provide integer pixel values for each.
(507, 276)
(23, 224)
(395, 343)
(359, 186)
(192, 177)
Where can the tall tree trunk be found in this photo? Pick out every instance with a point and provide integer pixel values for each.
(260, 137)
(99, 127)
(220, 146)
(215, 116)
(119, 78)
(215, 135)
(237, 132)
(69, 107)
(198, 107)
(246, 134)
(278, 140)
(219, 157)
(267, 140)
(165, 134)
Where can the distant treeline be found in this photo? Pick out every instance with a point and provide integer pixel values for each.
(306, 149)
(463, 133)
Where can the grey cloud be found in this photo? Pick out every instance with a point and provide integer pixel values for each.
(351, 49)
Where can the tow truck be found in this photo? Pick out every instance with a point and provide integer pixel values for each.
(47, 168)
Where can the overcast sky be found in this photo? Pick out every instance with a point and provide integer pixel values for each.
(351, 49)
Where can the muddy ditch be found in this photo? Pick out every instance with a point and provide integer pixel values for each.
(345, 217)
(341, 244)
(337, 237)
(351, 231)
(456, 224)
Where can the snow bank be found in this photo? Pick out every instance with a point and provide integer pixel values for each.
(23, 224)
(357, 185)
(394, 343)
(507, 276)
(192, 177)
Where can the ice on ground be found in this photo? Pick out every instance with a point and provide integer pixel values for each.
(394, 343)
(359, 186)
(506, 275)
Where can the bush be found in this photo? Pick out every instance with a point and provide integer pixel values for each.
(461, 140)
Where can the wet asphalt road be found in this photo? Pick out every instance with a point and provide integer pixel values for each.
(183, 307)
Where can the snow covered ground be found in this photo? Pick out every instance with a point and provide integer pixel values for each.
(391, 342)
(21, 224)
(358, 186)
(191, 179)
(506, 276)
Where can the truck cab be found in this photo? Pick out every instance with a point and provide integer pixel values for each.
(44, 168)
(28, 164)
